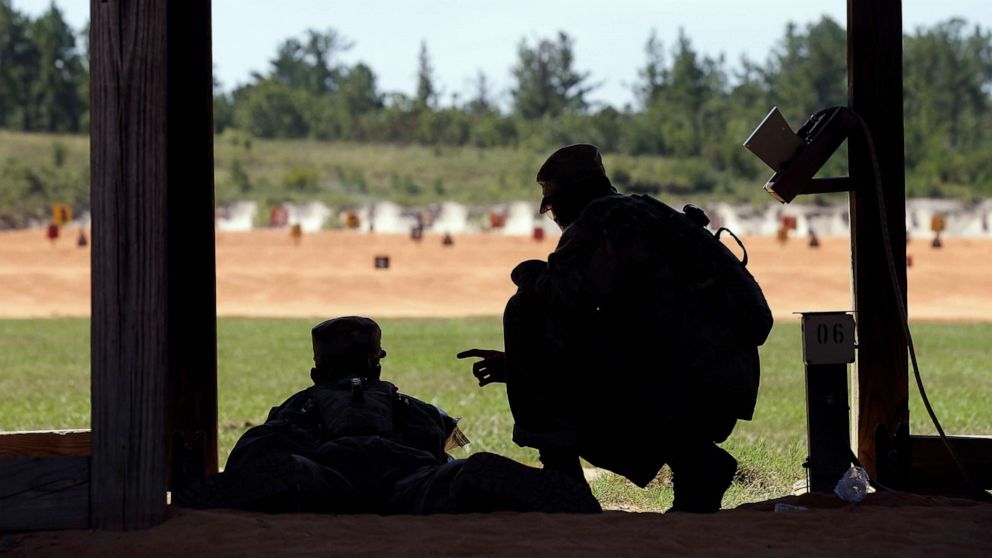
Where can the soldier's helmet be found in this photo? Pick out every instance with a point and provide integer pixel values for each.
(345, 338)
(571, 167)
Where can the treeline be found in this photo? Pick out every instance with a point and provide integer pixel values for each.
(688, 105)
(44, 74)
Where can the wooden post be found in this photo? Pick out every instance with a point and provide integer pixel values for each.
(191, 412)
(153, 316)
(874, 61)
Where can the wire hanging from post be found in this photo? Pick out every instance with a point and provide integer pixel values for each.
(901, 306)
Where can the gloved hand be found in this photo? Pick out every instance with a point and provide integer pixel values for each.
(492, 367)
(526, 273)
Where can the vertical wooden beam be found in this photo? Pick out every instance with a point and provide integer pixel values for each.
(191, 409)
(874, 61)
(153, 279)
(129, 293)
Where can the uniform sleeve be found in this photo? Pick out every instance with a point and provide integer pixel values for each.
(580, 272)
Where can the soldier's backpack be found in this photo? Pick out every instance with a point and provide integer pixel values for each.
(716, 276)
(726, 314)
(356, 407)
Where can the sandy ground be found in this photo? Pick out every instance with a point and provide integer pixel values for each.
(883, 525)
(262, 273)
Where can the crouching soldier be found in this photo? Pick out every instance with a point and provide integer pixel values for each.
(635, 344)
(352, 443)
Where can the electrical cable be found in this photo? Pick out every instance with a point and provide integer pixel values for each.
(904, 319)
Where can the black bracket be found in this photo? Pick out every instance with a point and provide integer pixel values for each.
(820, 137)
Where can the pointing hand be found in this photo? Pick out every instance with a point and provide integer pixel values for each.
(492, 367)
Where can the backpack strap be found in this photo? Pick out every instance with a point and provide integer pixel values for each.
(356, 407)
(739, 243)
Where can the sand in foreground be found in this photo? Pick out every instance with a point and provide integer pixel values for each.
(886, 524)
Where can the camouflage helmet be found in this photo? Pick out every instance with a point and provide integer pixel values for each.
(343, 337)
(570, 165)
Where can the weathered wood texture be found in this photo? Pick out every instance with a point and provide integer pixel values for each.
(874, 59)
(153, 317)
(130, 302)
(44, 493)
(933, 466)
(49, 443)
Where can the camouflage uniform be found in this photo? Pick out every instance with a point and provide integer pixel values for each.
(352, 443)
(626, 347)
(366, 471)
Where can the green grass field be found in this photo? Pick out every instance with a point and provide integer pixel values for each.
(45, 384)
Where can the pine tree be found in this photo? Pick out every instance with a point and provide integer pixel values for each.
(547, 84)
(19, 60)
(482, 101)
(56, 90)
(427, 93)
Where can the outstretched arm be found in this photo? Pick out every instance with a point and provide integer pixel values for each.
(492, 367)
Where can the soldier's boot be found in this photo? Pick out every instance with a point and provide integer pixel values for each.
(490, 482)
(701, 477)
(276, 482)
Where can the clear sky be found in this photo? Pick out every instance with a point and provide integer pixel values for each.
(465, 36)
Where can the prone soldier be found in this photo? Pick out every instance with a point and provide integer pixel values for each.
(352, 443)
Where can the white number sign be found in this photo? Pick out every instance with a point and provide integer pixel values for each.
(828, 337)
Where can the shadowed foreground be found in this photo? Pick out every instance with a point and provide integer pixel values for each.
(885, 524)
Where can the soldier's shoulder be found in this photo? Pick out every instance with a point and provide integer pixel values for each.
(606, 206)
(297, 403)
(298, 399)
(619, 211)
(610, 202)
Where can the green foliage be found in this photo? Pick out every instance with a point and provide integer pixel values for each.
(240, 178)
(43, 78)
(235, 137)
(309, 65)
(223, 112)
(56, 91)
(682, 101)
(357, 91)
(28, 191)
(547, 85)
(808, 70)
(19, 61)
(270, 109)
(427, 92)
(58, 153)
(439, 189)
(262, 362)
(302, 180)
(948, 72)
